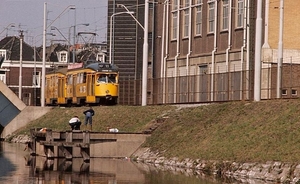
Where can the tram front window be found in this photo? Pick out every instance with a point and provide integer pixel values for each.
(107, 78)
(112, 78)
(102, 79)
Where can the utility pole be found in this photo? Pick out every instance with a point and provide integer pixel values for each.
(145, 55)
(20, 69)
(280, 51)
(258, 47)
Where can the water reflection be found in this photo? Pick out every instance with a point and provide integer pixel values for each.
(78, 171)
(22, 168)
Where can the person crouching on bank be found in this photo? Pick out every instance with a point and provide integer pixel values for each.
(75, 123)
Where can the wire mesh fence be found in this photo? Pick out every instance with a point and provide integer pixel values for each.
(218, 87)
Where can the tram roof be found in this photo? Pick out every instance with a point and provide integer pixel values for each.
(59, 70)
(99, 66)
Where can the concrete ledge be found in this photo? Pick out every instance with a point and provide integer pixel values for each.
(98, 145)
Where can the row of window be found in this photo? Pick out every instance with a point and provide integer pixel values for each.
(198, 14)
(102, 78)
(285, 92)
(62, 56)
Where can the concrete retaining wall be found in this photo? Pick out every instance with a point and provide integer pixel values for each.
(27, 115)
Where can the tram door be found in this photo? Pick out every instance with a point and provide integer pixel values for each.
(60, 91)
(74, 97)
(90, 88)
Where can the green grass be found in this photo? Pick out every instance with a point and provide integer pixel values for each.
(125, 118)
(237, 131)
(234, 131)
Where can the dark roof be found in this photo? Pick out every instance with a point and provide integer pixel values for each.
(89, 54)
(12, 45)
(56, 48)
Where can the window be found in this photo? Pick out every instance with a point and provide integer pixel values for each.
(225, 18)
(284, 92)
(79, 78)
(3, 76)
(198, 22)
(100, 57)
(174, 25)
(107, 78)
(112, 78)
(211, 17)
(36, 79)
(186, 3)
(102, 78)
(69, 79)
(84, 78)
(63, 57)
(186, 23)
(203, 69)
(175, 5)
(294, 92)
(186, 19)
(240, 13)
(174, 19)
(3, 53)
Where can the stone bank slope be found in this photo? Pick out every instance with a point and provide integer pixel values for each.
(261, 138)
(269, 172)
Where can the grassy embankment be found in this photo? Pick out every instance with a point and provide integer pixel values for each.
(235, 131)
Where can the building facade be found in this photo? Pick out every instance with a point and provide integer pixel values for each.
(199, 50)
(204, 50)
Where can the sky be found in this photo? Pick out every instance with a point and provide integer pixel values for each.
(28, 16)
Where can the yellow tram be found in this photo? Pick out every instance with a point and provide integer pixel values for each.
(91, 82)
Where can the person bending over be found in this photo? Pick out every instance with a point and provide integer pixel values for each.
(75, 123)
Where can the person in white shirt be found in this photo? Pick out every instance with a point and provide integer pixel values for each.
(75, 123)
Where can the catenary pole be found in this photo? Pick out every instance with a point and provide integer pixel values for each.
(280, 51)
(44, 57)
(145, 55)
(258, 39)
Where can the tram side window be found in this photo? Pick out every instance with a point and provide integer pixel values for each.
(79, 78)
(70, 79)
(84, 77)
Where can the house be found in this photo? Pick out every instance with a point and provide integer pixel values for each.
(30, 73)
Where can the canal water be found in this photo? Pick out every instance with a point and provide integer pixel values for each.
(18, 167)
